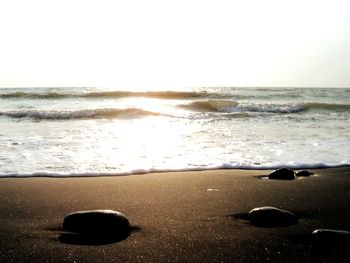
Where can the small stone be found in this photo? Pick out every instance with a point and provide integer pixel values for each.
(303, 173)
(268, 216)
(98, 223)
(331, 238)
(282, 174)
(212, 190)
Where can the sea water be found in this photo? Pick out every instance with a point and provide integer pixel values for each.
(97, 131)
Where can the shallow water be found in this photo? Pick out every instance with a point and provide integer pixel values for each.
(90, 131)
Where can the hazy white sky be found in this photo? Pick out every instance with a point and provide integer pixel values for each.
(169, 44)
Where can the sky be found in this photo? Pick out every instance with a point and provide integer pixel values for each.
(174, 44)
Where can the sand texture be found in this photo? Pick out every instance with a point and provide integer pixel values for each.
(176, 217)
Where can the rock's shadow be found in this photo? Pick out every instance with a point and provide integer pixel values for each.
(92, 240)
(241, 216)
(76, 239)
(304, 239)
(307, 239)
(275, 223)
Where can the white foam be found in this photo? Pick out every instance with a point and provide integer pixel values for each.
(268, 108)
(224, 166)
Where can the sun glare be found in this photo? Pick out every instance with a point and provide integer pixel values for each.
(153, 139)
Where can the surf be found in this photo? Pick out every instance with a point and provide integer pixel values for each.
(282, 108)
(226, 106)
(127, 113)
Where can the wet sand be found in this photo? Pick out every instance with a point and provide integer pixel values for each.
(176, 217)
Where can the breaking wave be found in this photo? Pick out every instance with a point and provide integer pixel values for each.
(210, 105)
(233, 106)
(128, 113)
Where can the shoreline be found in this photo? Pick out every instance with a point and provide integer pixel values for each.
(189, 216)
(160, 171)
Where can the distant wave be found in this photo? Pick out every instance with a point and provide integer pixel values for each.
(104, 94)
(36, 95)
(81, 114)
(234, 106)
(149, 94)
(326, 106)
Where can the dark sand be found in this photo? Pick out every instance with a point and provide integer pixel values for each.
(175, 217)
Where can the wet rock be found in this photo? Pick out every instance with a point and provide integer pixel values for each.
(331, 238)
(268, 216)
(282, 174)
(97, 223)
(303, 173)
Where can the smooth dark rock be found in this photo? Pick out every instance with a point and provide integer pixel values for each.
(331, 238)
(268, 216)
(98, 223)
(282, 174)
(303, 173)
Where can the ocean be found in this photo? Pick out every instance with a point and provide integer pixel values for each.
(94, 131)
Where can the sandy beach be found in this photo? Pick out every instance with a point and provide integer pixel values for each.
(176, 217)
